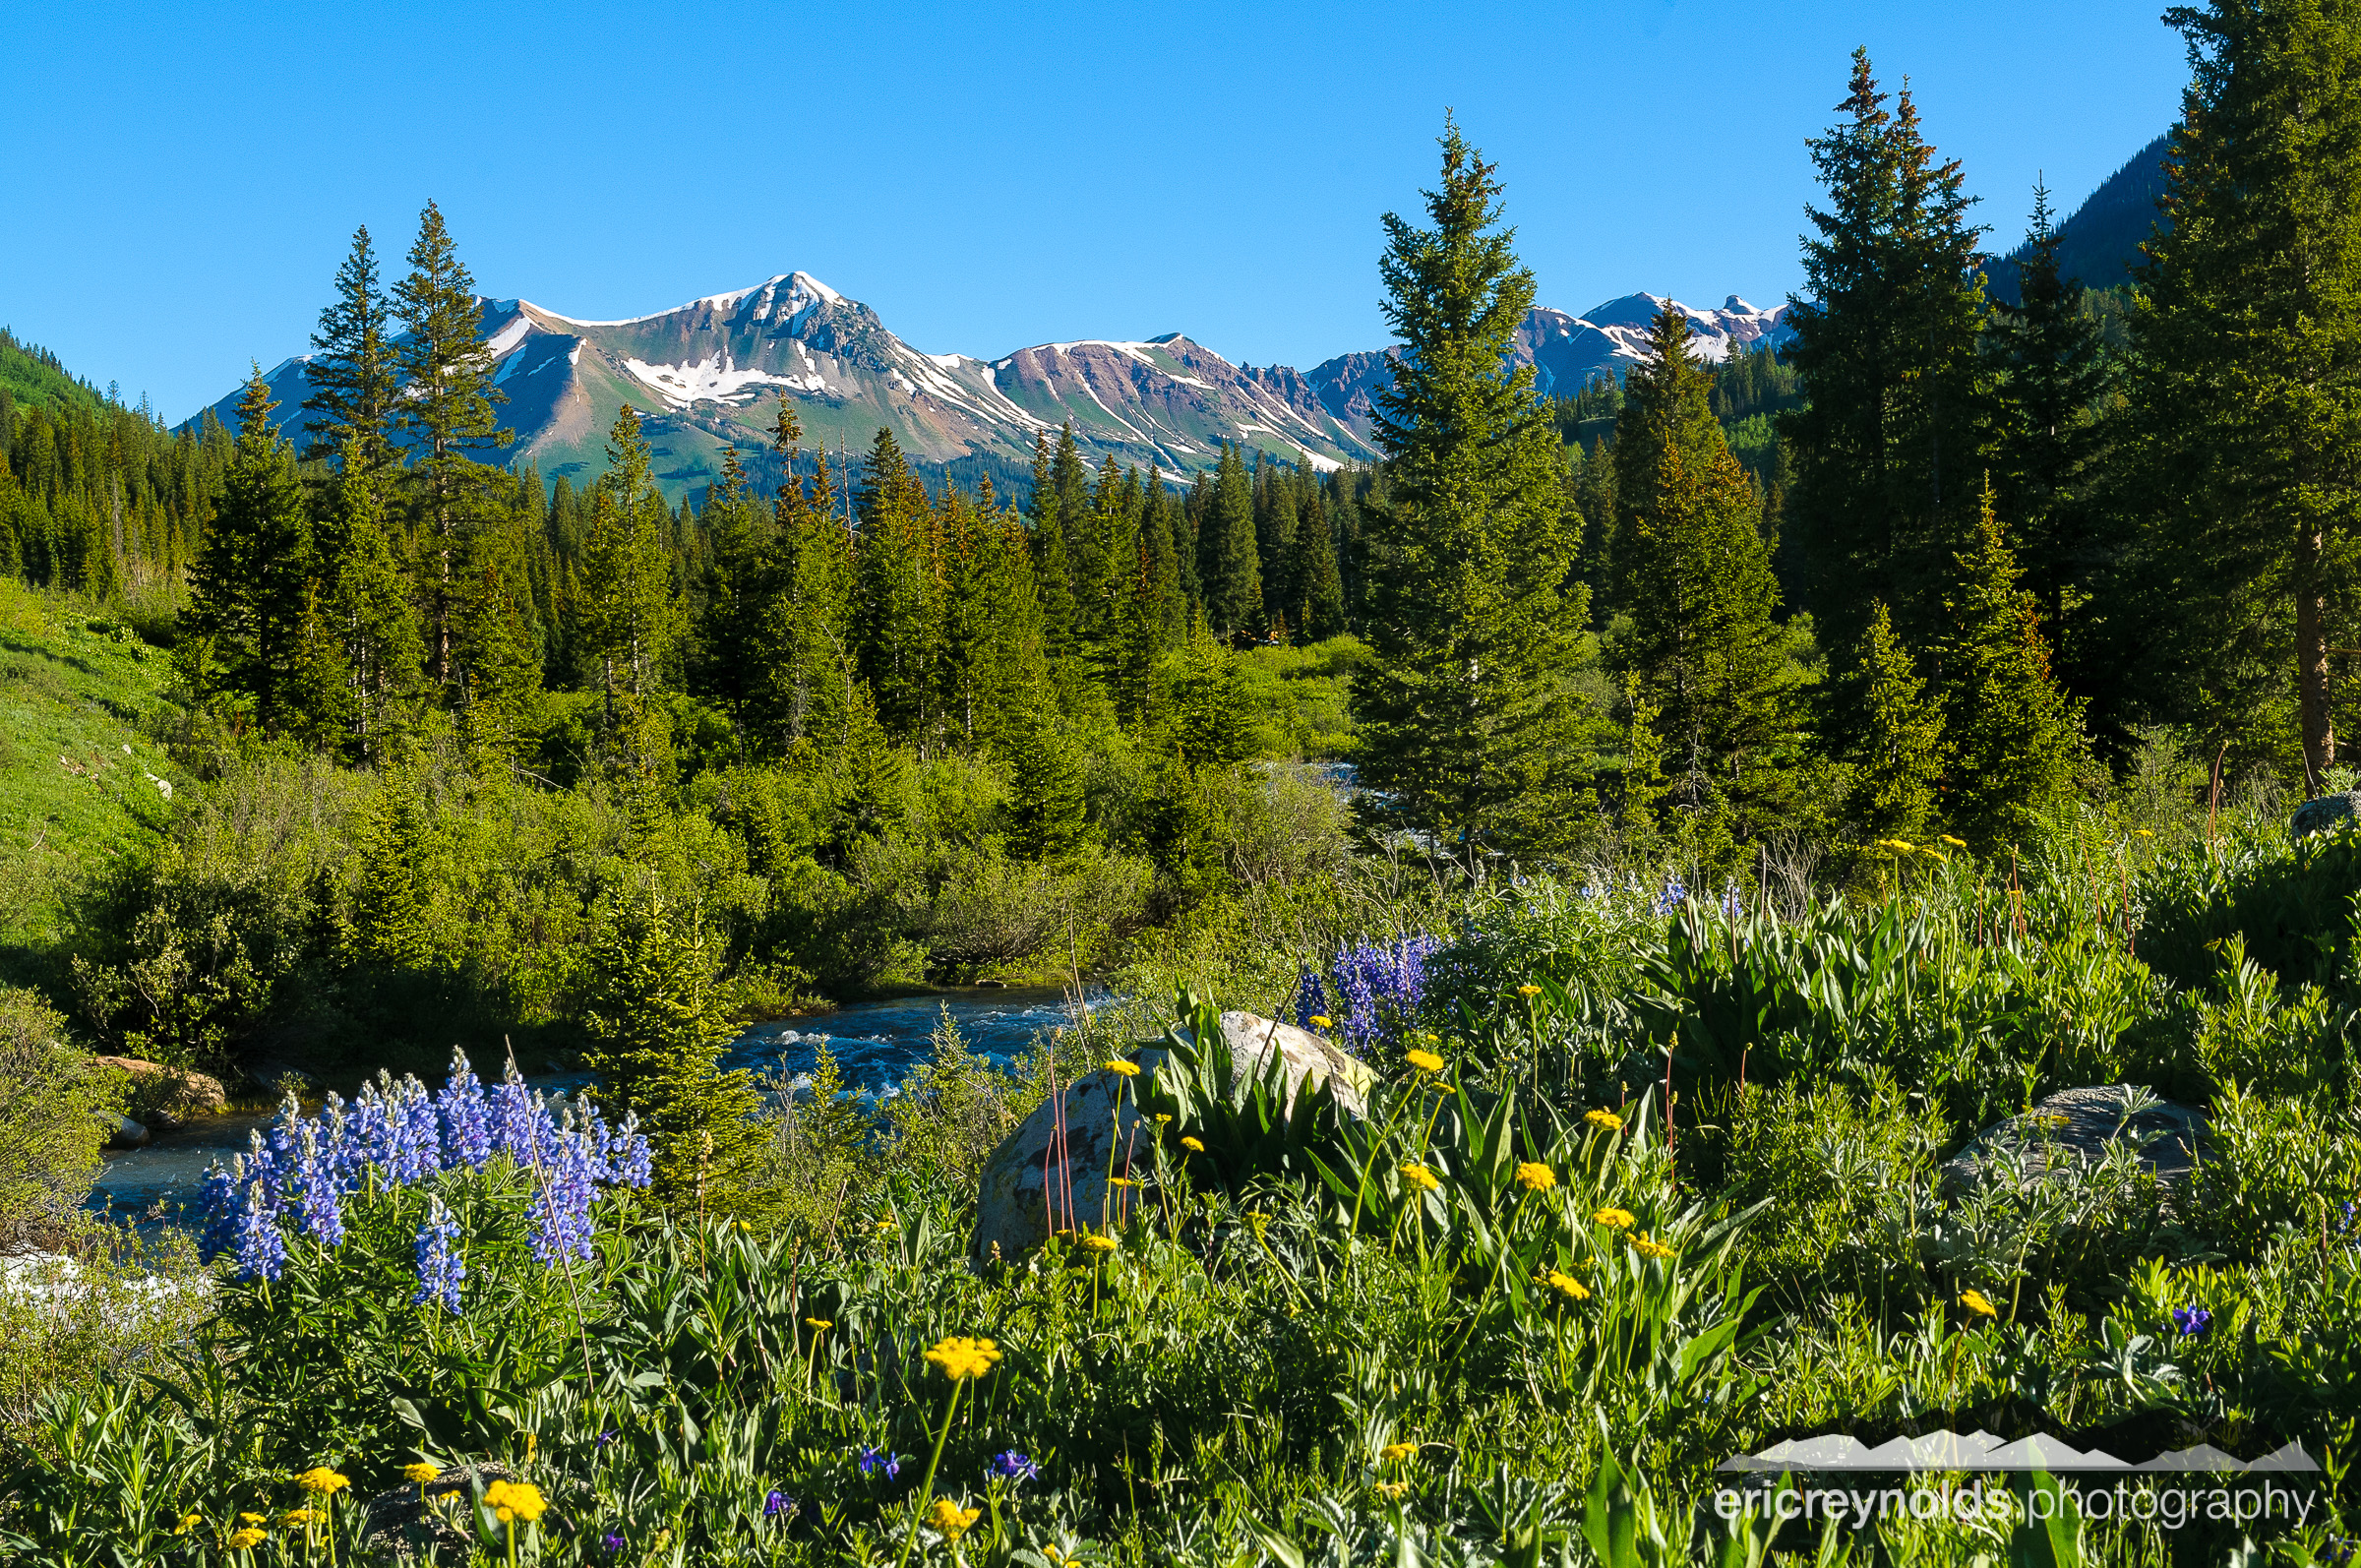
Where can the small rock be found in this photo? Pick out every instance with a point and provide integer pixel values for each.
(2319, 815)
(165, 1098)
(129, 1134)
(2073, 1128)
(1072, 1152)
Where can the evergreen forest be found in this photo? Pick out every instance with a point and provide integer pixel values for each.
(1584, 941)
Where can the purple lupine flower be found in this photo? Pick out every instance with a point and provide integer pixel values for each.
(1010, 1465)
(439, 1266)
(223, 1202)
(518, 1121)
(611, 1543)
(2193, 1320)
(1675, 891)
(262, 1251)
(777, 1503)
(630, 1161)
(1312, 999)
(560, 1211)
(466, 1118)
(418, 1132)
(315, 1179)
(1380, 985)
(873, 1459)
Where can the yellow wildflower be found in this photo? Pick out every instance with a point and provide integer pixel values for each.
(2144, 832)
(321, 1481)
(246, 1540)
(949, 1520)
(1955, 843)
(823, 1324)
(519, 1498)
(1603, 1118)
(1418, 1176)
(1163, 1121)
(1529, 990)
(1974, 1302)
(1096, 1244)
(1123, 1069)
(250, 1519)
(1423, 1060)
(421, 1473)
(885, 1224)
(1649, 1246)
(188, 1521)
(1122, 1181)
(1320, 1020)
(1534, 1177)
(1566, 1285)
(1393, 1451)
(1192, 1145)
(297, 1518)
(1619, 1219)
(965, 1357)
(1392, 1488)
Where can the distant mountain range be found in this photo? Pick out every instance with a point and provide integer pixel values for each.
(707, 373)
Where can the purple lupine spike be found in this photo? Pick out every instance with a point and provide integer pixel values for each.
(467, 1116)
(630, 1161)
(224, 1205)
(316, 1181)
(441, 1268)
(261, 1250)
(1380, 985)
(1312, 999)
(517, 1119)
(560, 1211)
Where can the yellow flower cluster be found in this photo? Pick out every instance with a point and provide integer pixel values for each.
(1566, 1285)
(1649, 1246)
(321, 1481)
(1393, 1451)
(297, 1518)
(512, 1500)
(1124, 1070)
(1418, 1176)
(1423, 1060)
(188, 1521)
(823, 1324)
(1192, 1145)
(1096, 1244)
(1615, 1219)
(1534, 1177)
(1974, 1302)
(1529, 990)
(1320, 1020)
(246, 1540)
(1603, 1118)
(420, 1475)
(949, 1520)
(1955, 843)
(964, 1357)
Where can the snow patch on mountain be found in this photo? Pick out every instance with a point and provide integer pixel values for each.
(711, 380)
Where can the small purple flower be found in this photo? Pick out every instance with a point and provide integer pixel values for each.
(1010, 1465)
(1312, 999)
(2193, 1320)
(608, 1437)
(873, 1459)
(611, 1543)
(439, 1266)
(1675, 891)
(261, 1250)
(1379, 986)
(777, 1503)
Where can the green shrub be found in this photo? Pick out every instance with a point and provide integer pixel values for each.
(56, 1109)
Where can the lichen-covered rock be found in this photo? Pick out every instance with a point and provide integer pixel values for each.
(1054, 1166)
(2319, 815)
(163, 1098)
(2074, 1127)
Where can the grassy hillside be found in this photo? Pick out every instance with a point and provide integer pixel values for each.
(80, 780)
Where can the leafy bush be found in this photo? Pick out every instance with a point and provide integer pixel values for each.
(56, 1109)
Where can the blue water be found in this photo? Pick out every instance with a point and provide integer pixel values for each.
(875, 1044)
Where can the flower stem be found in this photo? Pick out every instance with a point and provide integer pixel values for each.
(925, 1488)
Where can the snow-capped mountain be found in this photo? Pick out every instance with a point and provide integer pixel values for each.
(707, 372)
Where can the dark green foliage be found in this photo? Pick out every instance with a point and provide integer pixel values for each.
(252, 593)
(353, 373)
(1228, 557)
(2292, 913)
(1470, 730)
(627, 613)
(2013, 739)
(1889, 445)
(1897, 761)
(1701, 646)
(656, 1021)
(1317, 589)
(1045, 809)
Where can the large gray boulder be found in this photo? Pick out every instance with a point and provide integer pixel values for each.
(2319, 815)
(1055, 1165)
(2073, 1129)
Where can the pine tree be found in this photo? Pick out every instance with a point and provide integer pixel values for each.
(1898, 763)
(1052, 569)
(1471, 729)
(250, 594)
(1891, 441)
(897, 620)
(2015, 739)
(804, 670)
(1229, 560)
(387, 924)
(350, 413)
(2051, 377)
(737, 584)
(1046, 805)
(657, 1021)
(448, 405)
(628, 616)
(499, 651)
(1275, 521)
(369, 613)
(2244, 424)
(1319, 591)
(1697, 581)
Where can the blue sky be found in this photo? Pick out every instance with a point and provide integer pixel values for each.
(183, 180)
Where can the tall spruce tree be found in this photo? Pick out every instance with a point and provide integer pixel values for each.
(369, 610)
(1318, 589)
(804, 670)
(2052, 373)
(1696, 578)
(447, 406)
(1892, 439)
(736, 588)
(498, 654)
(1053, 567)
(353, 370)
(251, 594)
(1228, 558)
(627, 615)
(2244, 390)
(1897, 761)
(898, 603)
(1471, 728)
(2014, 738)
